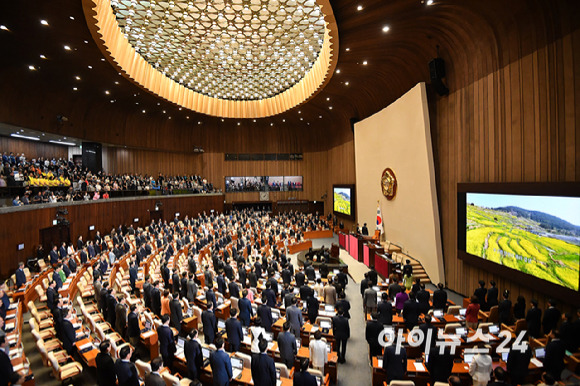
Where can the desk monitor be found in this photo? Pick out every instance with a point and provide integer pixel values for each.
(237, 363)
(504, 356)
(325, 324)
(319, 380)
(268, 336)
(278, 373)
(438, 313)
(540, 352)
(245, 331)
(205, 352)
(275, 315)
(298, 344)
(329, 308)
(148, 325)
(181, 342)
(461, 331)
(493, 329)
(467, 358)
(328, 348)
(462, 311)
(221, 324)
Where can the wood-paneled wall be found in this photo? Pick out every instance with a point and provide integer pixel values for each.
(22, 226)
(520, 123)
(32, 149)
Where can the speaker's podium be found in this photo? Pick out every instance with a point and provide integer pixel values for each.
(353, 243)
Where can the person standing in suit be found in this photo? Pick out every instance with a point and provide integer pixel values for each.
(167, 346)
(53, 256)
(287, 345)
(265, 314)
(505, 309)
(209, 322)
(480, 369)
(69, 336)
(481, 294)
(329, 293)
(385, 310)
(57, 277)
(133, 329)
(472, 313)
(112, 307)
(263, 368)
(440, 298)
(234, 331)
(7, 373)
(121, 316)
(518, 363)
(555, 353)
(191, 288)
(126, 371)
(133, 276)
(440, 365)
(341, 330)
(370, 299)
(343, 303)
(303, 377)
(372, 332)
(411, 312)
(551, 318)
(147, 287)
(176, 312)
(221, 365)
(154, 378)
(492, 296)
(210, 297)
(20, 275)
(294, 317)
(106, 374)
(313, 304)
(534, 320)
(193, 355)
(395, 362)
(156, 299)
(245, 306)
(51, 296)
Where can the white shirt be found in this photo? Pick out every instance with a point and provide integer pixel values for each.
(318, 354)
(256, 331)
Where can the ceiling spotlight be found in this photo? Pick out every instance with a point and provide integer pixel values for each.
(75, 89)
(42, 57)
(77, 77)
(359, 8)
(72, 17)
(429, 2)
(386, 28)
(347, 49)
(327, 99)
(187, 117)
(67, 48)
(330, 107)
(143, 111)
(199, 122)
(283, 120)
(338, 70)
(320, 116)
(43, 22)
(118, 83)
(3, 27)
(107, 92)
(239, 123)
(346, 83)
(271, 124)
(90, 67)
(365, 63)
(31, 68)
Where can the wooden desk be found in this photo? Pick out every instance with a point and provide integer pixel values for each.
(330, 368)
(326, 234)
(90, 356)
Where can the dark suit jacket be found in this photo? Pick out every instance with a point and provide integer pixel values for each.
(385, 310)
(156, 301)
(166, 342)
(209, 326)
(304, 379)
(395, 364)
(439, 299)
(126, 373)
(133, 277)
(505, 312)
(120, 318)
(106, 374)
(411, 312)
(517, 364)
(210, 297)
(554, 360)
(133, 330)
(313, 305)
(20, 278)
(551, 318)
(53, 257)
(534, 322)
(50, 297)
(439, 365)
(287, 346)
(340, 327)
(234, 289)
(263, 370)
(221, 283)
(235, 333)
(270, 297)
(300, 277)
(176, 314)
(372, 333)
(154, 380)
(265, 313)
(147, 287)
(481, 294)
(68, 336)
(246, 311)
(492, 296)
(193, 357)
(57, 279)
(221, 367)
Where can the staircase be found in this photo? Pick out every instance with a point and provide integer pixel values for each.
(399, 257)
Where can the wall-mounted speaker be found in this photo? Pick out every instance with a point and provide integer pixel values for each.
(437, 73)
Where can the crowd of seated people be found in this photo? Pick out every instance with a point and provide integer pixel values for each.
(244, 252)
(78, 184)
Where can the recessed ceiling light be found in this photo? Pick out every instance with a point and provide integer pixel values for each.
(107, 92)
(283, 120)
(222, 119)
(31, 68)
(102, 59)
(254, 120)
(386, 28)
(347, 49)
(271, 124)
(320, 116)
(75, 89)
(169, 117)
(67, 48)
(429, 2)
(86, 41)
(327, 99)
(164, 111)
(180, 109)
(365, 63)
(199, 122)
(71, 17)
(77, 77)
(90, 67)
(359, 8)
(143, 111)
(308, 123)
(330, 107)
(118, 83)
(301, 118)
(239, 123)
(338, 70)
(346, 83)
(112, 101)
(3, 27)
(187, 117)
(299, 112)
(42, 57)
(43, 22)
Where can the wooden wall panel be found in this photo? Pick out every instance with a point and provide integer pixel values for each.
(517, 124)
(32, 149)
(22, 226)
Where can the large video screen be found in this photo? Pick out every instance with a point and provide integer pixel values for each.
(292, 183)
(263, 184)
(536, 235)
(343, 200)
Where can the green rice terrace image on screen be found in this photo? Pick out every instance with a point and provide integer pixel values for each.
(342, 200)
(537, 235)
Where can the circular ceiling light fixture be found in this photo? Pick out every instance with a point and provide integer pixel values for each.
(227, 58)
